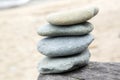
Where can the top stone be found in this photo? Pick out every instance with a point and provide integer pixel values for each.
(71, 17)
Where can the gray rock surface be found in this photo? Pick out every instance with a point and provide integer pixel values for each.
(64, 46)
(63, 64)
(94, 71)
(71, 17)
(52, 30)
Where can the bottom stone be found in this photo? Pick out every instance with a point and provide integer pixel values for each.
(63, 64)
(94, 71)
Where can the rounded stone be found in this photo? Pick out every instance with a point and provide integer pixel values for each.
(52, 30)
(71, 17)
(63, 64)
(64, 46)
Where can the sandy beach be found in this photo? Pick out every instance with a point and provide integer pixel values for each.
(18, 35)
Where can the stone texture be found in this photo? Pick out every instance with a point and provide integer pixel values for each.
(64, 46)
(94, 71)
(63, 64)
(52, 30)
(71, 17)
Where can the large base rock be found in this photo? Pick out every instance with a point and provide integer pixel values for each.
(94, 71)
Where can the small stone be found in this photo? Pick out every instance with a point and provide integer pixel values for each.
(52, 30)
(63, 64)
(12, 3)
(64, 46)
(72, 16)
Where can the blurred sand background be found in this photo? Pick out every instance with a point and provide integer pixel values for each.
(18, 38)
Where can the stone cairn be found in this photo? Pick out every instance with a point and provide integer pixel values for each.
(66, 47)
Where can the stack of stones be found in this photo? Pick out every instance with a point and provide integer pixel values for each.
(66, 45)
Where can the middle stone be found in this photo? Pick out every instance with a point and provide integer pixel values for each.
(71, 30)
(64, 46)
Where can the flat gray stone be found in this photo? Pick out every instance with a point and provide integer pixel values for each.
(94, 71)
(52, 30)
(71, 17)
(64, 46)
(63, 64)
